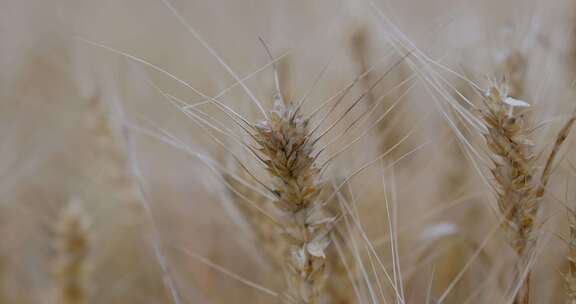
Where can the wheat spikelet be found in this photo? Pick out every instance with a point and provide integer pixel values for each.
(288, 153)
(72, 252)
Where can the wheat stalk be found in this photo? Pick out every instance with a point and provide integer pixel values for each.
(72, 251)
(287, 150)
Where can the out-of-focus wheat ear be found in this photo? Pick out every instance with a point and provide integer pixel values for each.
(360, 44)
(285, 144)
(115, 168)
(514, 66)
(72, 246)
(262, 229)
(390, 127)
(108, 150)
(341, 284)
(570, 275)
(550, 161)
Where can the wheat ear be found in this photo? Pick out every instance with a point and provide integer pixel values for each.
(518, 193)
(513, 170)
(287, 151)
(513, 159)
(72, 249)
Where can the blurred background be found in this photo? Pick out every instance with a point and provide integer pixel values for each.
(105, 175)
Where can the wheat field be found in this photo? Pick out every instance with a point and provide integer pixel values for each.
(288, 151)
